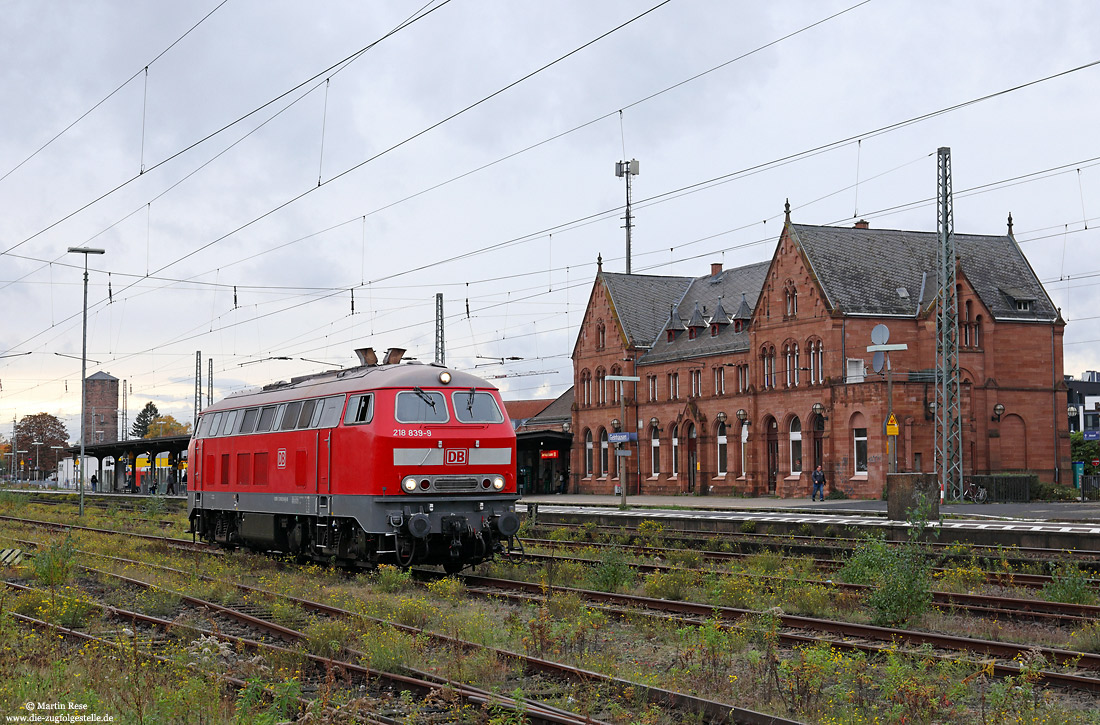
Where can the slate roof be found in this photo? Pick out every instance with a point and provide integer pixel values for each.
(102, 376)
(862, 270)
(641, 302)
(559, 411)
(704, 293)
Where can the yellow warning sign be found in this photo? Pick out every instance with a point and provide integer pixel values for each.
(892, 426)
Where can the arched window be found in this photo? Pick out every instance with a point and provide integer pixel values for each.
(794, 348)
(588, 453)
(675, 451)
(789, 362)
(796, 445)
(601, 335)
(655, 450)
(603, 452)
(601, 387)
(977, 339)
(722, 448)
(614, 385)
(966, 327)
(586, 388)
(817, 358)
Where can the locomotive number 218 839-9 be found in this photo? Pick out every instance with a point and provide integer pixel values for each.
(412, 432)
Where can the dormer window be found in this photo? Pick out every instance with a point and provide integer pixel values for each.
(1023, 305)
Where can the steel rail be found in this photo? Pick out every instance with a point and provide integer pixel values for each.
(537, 712)
(698, 612)
(985, 604)
(713, 711)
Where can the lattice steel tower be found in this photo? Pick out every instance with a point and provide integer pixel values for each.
(198, 389)
(948, 432)
(440, 352)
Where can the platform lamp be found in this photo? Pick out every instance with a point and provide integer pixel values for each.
(84, 363)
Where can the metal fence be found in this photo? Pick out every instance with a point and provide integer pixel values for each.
(1005, 489)
(1090, 488)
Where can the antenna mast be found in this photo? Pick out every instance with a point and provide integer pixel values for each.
(948, 428)
(627, 169)
(209, 381)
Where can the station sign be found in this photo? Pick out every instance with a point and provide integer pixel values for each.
(622, 437)
(1092, 435)
(623, 452)
(548, 454)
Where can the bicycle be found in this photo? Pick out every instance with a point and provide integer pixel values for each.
(973, 492)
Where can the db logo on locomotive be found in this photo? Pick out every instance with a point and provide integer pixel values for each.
(455, 456)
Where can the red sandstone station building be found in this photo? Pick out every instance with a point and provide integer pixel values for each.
(751, 377)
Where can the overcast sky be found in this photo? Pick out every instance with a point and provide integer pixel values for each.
(249, 174)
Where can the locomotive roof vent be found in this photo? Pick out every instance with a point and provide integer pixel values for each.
(366, 356)
(393, 356)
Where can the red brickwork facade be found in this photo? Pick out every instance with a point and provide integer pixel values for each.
(804, 350)
(101, 409)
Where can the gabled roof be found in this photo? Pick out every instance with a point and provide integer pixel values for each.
(697, 319)
(883, 271)
(521, 410)
(641, 302)
(102, 376)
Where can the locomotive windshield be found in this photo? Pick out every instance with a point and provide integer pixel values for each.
(474, 407)
(419, 406)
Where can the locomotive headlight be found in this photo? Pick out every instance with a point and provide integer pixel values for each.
(409, 484)
(498, 482)
(444, 377)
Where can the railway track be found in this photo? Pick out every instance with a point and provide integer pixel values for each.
(423, 687)
(839, 635)
(842, 635)
(676, 702)
(1003, 578)
(834, 547)
(985, 605)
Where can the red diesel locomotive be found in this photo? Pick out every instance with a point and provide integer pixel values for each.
(382, 463)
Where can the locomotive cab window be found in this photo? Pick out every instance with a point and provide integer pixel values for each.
(474, 407)
(360, 410)
(248, 424)
(419, 406)
(266, 416)
(217, 424)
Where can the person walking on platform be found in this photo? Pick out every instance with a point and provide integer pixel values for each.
(819, 484)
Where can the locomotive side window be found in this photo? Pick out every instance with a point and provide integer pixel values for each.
(307, 413)
(330, 410)
(290, 416)
(275, 425)
(418, 406)
(360, 409)
(230, 419)
(217, 424)
(266, 416)
(248, 424)
(474, 407)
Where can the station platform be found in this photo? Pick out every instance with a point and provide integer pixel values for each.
(1072, 511)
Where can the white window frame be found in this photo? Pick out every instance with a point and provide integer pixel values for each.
(655, 451)
(589, 454)
(675, 451)
(723, 449)
(795, 437)
(719, 381)
(856, 439)
(854, 371)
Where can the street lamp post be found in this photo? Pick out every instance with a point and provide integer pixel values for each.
(37, 458)
(84, 362)
(56, 465)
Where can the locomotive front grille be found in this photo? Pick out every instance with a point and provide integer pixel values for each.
(455, 483)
